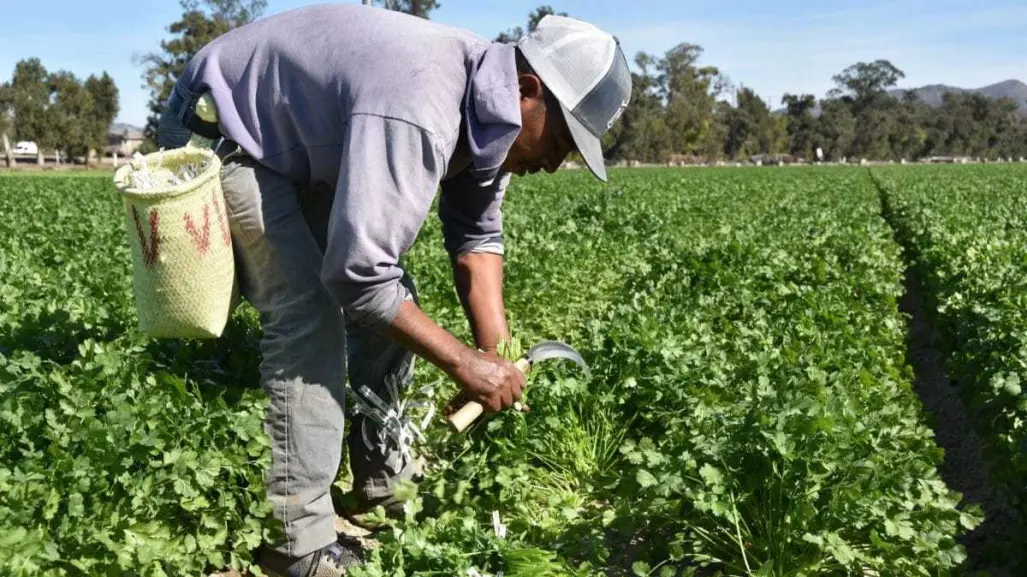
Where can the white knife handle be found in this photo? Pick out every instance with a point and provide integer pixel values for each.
(470, 412)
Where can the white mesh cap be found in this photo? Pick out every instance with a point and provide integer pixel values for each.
(588, 74)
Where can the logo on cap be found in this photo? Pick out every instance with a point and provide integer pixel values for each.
(616, 115)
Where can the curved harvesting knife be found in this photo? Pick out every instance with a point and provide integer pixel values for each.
(542, 351)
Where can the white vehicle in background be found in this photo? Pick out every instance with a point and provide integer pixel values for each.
(26, 148)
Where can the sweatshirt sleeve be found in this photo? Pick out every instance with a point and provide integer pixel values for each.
(471, 215)
(389, 174)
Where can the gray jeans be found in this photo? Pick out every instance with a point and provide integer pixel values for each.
(279, 231)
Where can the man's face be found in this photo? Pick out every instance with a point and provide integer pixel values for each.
(544, 141)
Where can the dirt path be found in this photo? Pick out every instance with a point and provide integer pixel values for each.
(964, 468)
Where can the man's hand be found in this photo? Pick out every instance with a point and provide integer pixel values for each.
(492, 381)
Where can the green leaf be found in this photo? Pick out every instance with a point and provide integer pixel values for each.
(840, 549)
(195, 503)
(76, 507)
(640, 568)
(645, 479)
(711, 475)
(12, 536)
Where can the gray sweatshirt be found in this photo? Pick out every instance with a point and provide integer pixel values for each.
(375, 103)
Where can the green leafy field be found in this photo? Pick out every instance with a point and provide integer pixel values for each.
(967, 234)
(118, 455)
(750, 409)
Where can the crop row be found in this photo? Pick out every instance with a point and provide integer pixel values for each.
(966, 234)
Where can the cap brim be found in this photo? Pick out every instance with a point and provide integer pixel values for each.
(588, 144)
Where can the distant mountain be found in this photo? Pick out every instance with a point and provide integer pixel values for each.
(932, 94)
(1009, 89)
(120, 127)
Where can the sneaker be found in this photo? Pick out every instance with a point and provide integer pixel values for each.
(330, 561)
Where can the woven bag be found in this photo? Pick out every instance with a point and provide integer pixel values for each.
(184, 270)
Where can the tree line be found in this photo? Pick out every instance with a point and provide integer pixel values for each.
(679, 110)
(56, 110)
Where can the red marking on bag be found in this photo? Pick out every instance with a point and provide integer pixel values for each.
(200, 238)
(149, 252)
(226, 236)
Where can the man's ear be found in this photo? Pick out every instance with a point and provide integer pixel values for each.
(531, 86)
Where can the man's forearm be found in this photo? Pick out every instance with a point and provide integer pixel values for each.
(420, 335)
(479, 284)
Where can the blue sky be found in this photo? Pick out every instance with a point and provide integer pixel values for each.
(772, 47)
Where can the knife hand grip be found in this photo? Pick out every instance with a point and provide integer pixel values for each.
(467, 414)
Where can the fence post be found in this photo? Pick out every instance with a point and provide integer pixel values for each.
(7, 151)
